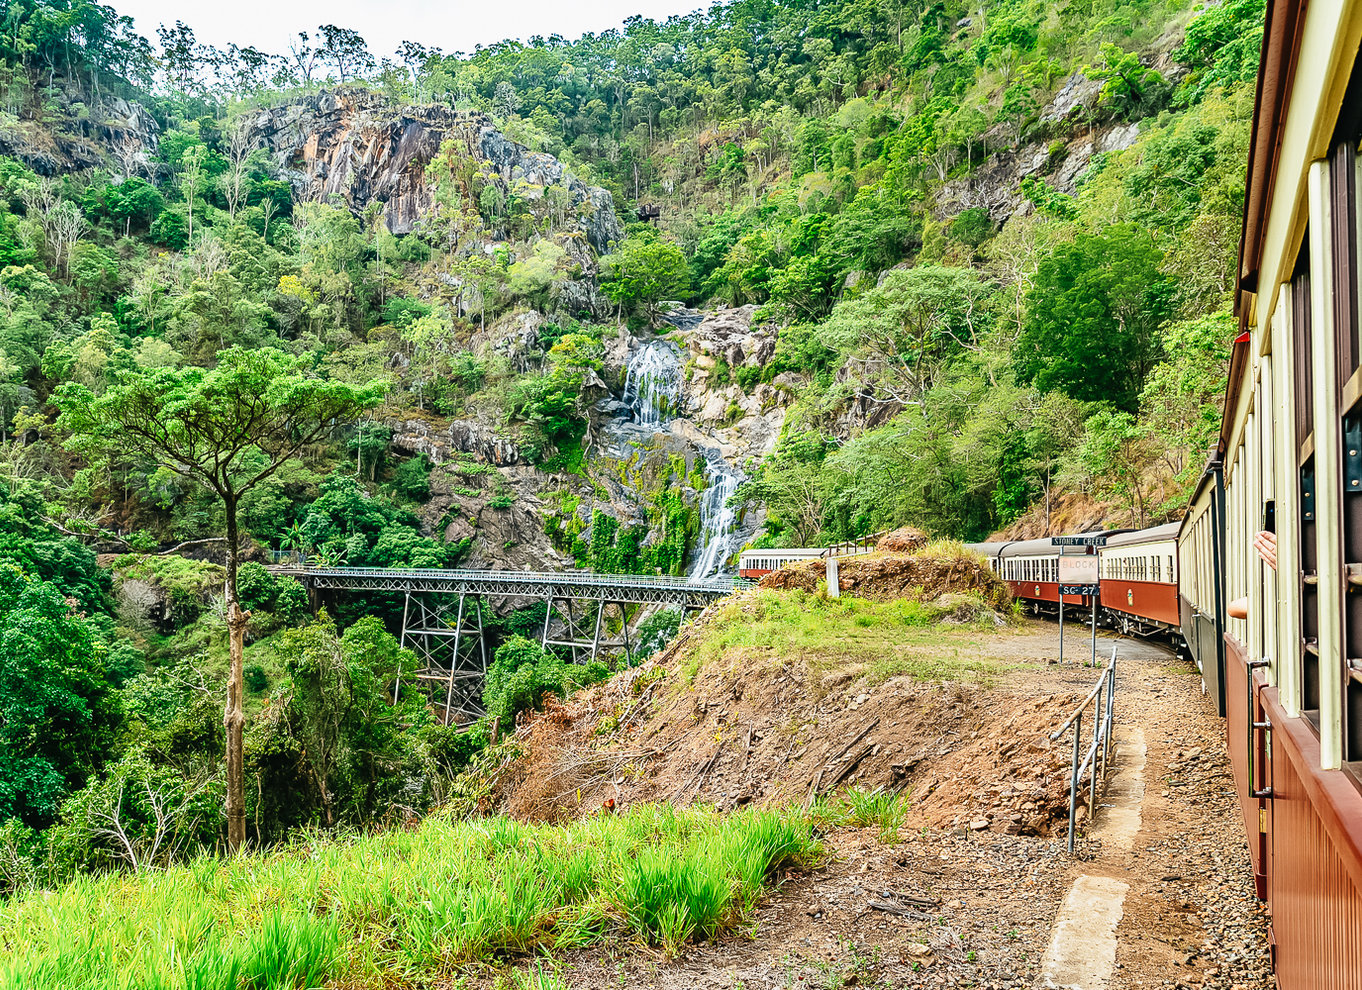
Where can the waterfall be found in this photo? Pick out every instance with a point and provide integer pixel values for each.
(652, 383)
(718, 522)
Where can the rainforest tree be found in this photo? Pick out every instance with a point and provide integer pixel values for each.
(228, 428)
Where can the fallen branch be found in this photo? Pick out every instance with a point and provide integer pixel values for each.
(859, 736)
(898, 909)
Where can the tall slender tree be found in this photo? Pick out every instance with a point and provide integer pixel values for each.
(228, 428)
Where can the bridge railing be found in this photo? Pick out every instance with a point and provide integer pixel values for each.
(542, 578)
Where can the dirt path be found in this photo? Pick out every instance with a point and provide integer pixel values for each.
(970, 907)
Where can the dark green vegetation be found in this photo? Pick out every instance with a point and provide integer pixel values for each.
(977, 309)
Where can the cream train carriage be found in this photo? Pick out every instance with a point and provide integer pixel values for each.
(1289, 457)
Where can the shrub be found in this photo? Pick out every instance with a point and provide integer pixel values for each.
(521, 674)
(412, 479)
(291, 604)
(256, 587)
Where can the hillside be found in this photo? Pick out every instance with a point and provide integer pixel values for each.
(770, 274)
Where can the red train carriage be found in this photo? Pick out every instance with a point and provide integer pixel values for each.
(756, 564)
(1139, 579)
(1030, 569)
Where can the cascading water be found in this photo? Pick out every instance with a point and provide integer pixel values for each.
(651, 403)
(718, 521)
(652, 383)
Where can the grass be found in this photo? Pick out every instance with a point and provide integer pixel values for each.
(860, 808)
(881, 639)
(402, 906)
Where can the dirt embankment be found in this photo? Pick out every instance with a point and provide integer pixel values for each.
(904, 565)
(749, 727)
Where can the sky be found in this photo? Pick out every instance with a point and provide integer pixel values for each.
(453, 26)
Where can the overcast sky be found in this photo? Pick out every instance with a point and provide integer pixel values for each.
(457, 25)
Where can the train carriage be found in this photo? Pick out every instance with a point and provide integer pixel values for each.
(1289, 459)
(1139, 579)
(756, 564)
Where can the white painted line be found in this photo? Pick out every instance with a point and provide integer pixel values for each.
(1118, 821)
(1082, 952)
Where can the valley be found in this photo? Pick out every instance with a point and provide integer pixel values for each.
(617, 307)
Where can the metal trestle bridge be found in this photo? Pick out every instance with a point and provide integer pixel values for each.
(442, 614)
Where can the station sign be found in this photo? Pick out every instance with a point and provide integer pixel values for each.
(1078, 575)
(1085, 540)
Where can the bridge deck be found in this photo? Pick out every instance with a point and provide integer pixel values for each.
(586, 585)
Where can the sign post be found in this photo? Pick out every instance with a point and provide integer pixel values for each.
(1079, 574)
(1093, 661)
(1061, 628)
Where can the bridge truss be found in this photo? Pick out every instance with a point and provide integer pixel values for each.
(442, 615)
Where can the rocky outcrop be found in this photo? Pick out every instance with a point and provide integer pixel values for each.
(996, 185)
(114, 133)
(462, 436)
(352, 144)
(727, 335)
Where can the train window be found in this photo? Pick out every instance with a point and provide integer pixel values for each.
(1304, 378)
(1343, 182)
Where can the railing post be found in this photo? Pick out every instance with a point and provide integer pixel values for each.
(1073, 779)
(1111, 705)
(1097, 724)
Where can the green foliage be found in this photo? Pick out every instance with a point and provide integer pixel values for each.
(876, 807)
(346, 524)
(521, 674)
(1221, 46)
(136, 816)
(335, 711)
(33, 545)
(59, 715)
(655, 632)
(412, 478)
(908, 326)
(643, 271)
(1093, 317)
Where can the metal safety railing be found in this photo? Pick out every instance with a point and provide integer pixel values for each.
(852, 547)
(1096, 759)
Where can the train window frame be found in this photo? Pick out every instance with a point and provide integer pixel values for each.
(1344, 220)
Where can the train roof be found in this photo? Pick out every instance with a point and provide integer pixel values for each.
(987, 549)
(1155, 534)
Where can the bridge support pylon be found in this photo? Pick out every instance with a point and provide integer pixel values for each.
(447, 636)
(586, 645)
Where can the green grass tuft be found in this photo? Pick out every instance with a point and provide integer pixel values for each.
(878, 807)
(402, 903)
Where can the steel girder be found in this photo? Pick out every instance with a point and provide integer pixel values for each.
(446, 634)
(619, 588)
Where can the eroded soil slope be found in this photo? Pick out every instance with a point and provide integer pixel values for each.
(779, 697)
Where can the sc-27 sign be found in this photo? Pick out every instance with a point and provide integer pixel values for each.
(1078, 574)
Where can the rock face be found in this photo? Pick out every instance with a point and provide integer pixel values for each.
(416, 436)
(115, 129)
(353, 144)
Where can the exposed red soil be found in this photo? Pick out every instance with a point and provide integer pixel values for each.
(746, 730)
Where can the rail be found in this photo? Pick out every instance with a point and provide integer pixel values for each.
(1096, 761)
(849, 548)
